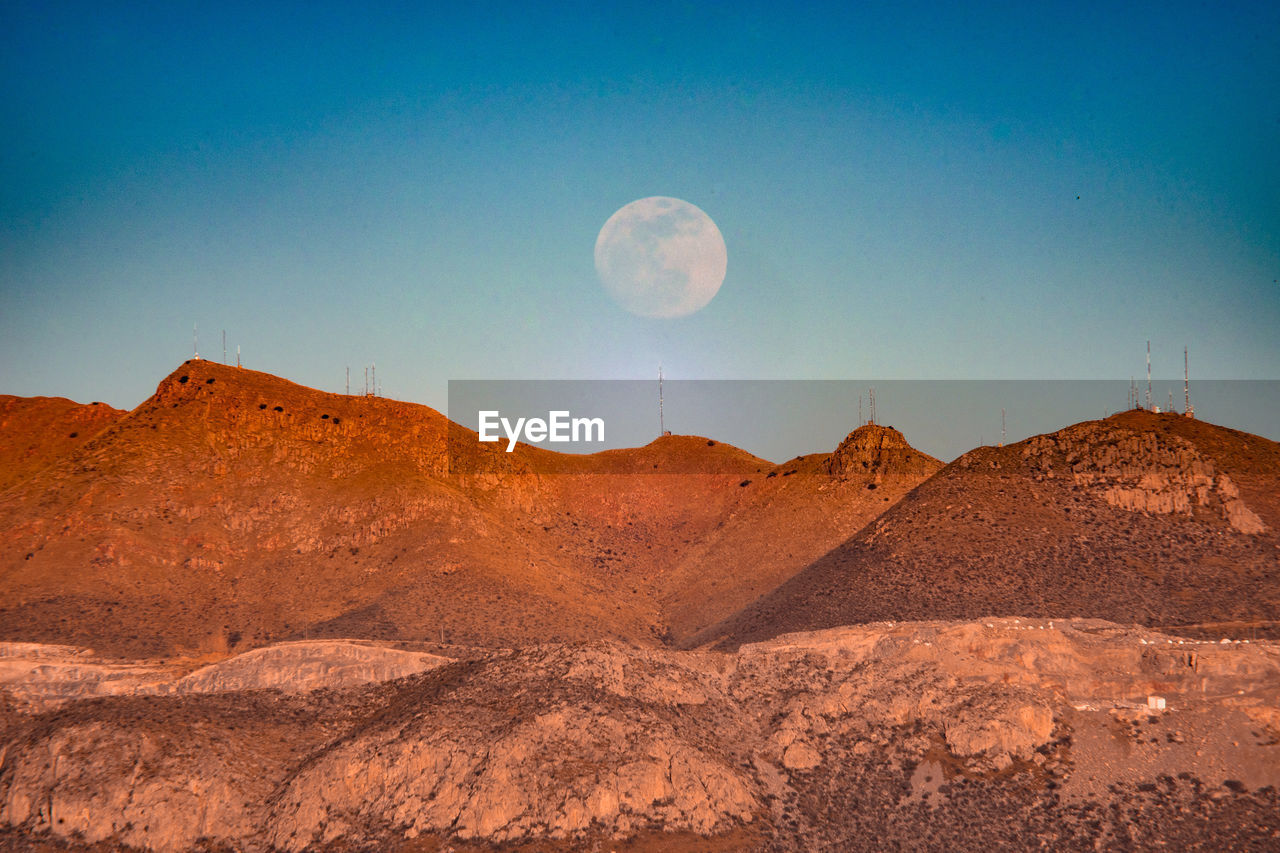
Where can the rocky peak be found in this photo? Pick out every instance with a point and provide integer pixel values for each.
(877, 451)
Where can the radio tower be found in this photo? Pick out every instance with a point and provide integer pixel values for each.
(224, 346)
(662, 424)
(237, 355)
(872, 394)
(195, 339)
(1148, 376)
(1186, 385)
(1003, 434)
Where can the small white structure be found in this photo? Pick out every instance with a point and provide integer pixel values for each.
(1155, 703)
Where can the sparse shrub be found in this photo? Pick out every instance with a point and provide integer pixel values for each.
(279, 408)
(182, 380)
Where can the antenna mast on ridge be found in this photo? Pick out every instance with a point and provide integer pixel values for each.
(195, 339)
(224, 346)
(662, 424)
(1003, 434)
(1186, 385)
(1148, 376)
(872, 394)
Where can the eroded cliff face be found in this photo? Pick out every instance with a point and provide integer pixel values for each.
(1141, 472)
(924, 733)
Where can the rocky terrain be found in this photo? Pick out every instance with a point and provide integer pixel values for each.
(38, 677)
(252, 616)
(1155, 519)
(1000, 733)
(234, 509)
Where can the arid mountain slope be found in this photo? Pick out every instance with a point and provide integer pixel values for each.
(960, 736)
(234, 508)
(37, 431)
(790, 515)
(1154, 519)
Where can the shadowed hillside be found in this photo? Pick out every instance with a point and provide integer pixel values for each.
(1155, 519)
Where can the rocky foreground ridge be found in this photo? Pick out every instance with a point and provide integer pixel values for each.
(996, 733)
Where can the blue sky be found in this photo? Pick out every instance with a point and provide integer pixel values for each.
(906, 190)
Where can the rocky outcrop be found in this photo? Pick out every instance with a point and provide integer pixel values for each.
(300, 667)
(811, 738)
(875, 452)
(42, 677)
(1140, 472)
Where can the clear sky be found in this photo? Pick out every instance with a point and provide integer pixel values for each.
(1007, 190)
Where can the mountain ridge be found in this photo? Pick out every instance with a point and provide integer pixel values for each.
(234, 508)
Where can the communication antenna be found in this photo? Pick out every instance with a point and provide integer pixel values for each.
(859, 408)
(873, 406)
(373, 375)
(1186, 385)
(366, 381)
(237, 355)
(662, 424)
(224, 346)
(195, 339)
(348, 380)
(1003, 434)
(1148, 376)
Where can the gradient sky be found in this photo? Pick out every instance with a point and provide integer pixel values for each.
(996, 191)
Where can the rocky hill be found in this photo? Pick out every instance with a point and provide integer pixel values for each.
(234, 509)
(791, 515)
(1155, 519)
(35, 432)
(996, 734)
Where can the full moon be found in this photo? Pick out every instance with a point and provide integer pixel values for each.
(661, 257)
